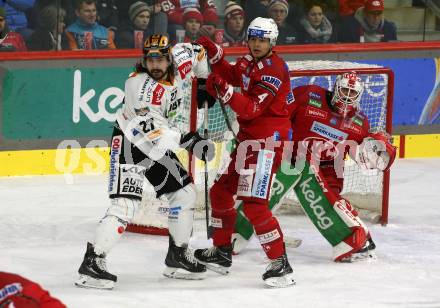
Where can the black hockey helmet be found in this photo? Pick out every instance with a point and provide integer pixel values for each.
(156, 45)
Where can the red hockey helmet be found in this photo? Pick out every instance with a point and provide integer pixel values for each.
(347, 94)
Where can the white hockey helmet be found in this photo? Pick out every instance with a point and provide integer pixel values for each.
(263, 28)
(347, 93)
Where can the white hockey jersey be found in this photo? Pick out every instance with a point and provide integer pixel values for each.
(152, 114)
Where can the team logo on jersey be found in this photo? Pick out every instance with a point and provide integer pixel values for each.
(260, 186)
(314, 95)
(357, 120)
(315, 103)
(315, 112)
(333, 121)
(158, 93)
(184, 69)
(328, 132)
(245, 79)
(244, 187)
(115, 151)
(9, 290)
(290, 98)
(269, 62)
(350, 126)
(272, 81)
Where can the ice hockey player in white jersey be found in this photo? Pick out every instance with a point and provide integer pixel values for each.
(142, 147)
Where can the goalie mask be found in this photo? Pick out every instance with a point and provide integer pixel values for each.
(347, 94)
(263, 28)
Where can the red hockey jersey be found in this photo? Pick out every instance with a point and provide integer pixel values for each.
(261, 107)
(322, 130)
(19, 292)
(174, 8)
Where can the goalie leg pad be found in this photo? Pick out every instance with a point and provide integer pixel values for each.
(332, 216)
(181, 214)
(110, 228)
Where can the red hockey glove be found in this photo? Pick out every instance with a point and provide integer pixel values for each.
(219, 88)
(214, 51)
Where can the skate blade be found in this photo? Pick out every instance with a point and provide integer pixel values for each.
(85, 281)
(280, 282)
(360, 257)
(292, 242)
(217, 268)
(180, 273)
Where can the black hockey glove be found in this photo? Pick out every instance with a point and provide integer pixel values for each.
(203, 95)
(202, 148)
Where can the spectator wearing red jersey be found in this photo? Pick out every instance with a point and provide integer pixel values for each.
(9, 41)
(192, 22)
(175, 9)
(19, 292)
(235, 34)
(368, 25)
(349, 7)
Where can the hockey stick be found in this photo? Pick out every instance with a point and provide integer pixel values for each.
(205, 135)
(225, 115)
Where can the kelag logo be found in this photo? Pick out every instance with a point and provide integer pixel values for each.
(82, 100)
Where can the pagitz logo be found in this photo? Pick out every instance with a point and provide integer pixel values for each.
(272, 81)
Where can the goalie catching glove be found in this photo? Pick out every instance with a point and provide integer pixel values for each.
(202, 148)
(376, 152)
(219, 88)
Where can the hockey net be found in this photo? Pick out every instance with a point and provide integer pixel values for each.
(367, 190)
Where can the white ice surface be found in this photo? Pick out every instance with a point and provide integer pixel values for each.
(46, 222)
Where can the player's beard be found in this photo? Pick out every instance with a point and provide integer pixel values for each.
(157, 74)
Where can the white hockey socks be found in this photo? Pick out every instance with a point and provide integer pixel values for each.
(111, 227)
(181, 215)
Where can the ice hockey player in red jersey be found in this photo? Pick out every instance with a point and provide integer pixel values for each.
(326, 127)
(263, 122)
(19, 292)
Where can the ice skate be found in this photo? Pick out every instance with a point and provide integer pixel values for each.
(181, 264)
(217, 259)
(93, 271)
(279, 274)
(366, 253)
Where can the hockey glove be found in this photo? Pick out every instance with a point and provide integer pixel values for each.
(219, 88)
(202, 148)
(214, 51)
(203, 95)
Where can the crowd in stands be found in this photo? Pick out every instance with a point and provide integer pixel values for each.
(27, 25)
